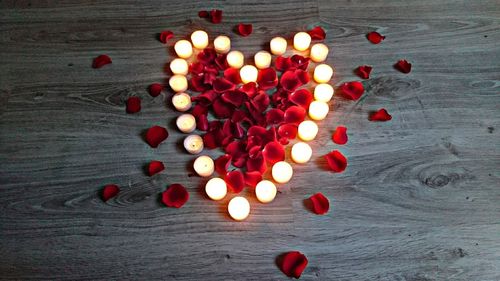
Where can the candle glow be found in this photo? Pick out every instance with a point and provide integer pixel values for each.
(222, 44)
(301, 152)
(278, 46)
(204, 166)
(282, 172)
(265, 191)
(318, 110)
(323, 73)
(262, 59)
(181, 102)
(301, 41)
(239, 208)
(248, 74)
(193, 144)
(216, 189)
(199, 39)
(323, 92)
(186, 123)
(179, 66)
(183, 49)
(307, 130)
(178, 83)
(319, 52)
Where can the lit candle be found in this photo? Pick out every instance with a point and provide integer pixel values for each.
(204, 166)
(301, 41)
(323, 73)
(278, 46)
(318, 110)
(319, 52)
(323, 92)
(265, 191)
(248, 74)
(199, 39)
(307, 130)
(186, 123)
(222, 44)
(179, 66)
(301, 152)
(181, 102)
(239, 208)
(178, 83)
(282, 172)
(193, 144)
(262, 59)
(183, 49)
(235, 59)
(216, 188)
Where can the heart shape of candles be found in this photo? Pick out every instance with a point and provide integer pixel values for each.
(224, 87)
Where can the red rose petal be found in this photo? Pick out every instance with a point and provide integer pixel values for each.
(288, 131)
(197, 84)
(166, 35)
(222, 109)
(294, 264)
(375, 37)
(133, 104)
(235, 181)
(290, 81)
(403, 66)
(249, 88)
(207, 56)
(340, 135)
(256, 164)
(221, 62)
(303, 76)
(273, 152)
(202, 122)
(336, 161)
(155, 135)
(352, 90)
(275, 116)
(320, 203)
(235, 98)
(300, 62)
(221, 85)
(244, 29)
(283, 63)
(204, 14)
(222, 164)
(295, 114)
(196, 68)
(175, 196)
(110, 191)
(363, 71)
(252, 178)
(317, 33)
(381, 115)
(216, 16)
(101, 61)
(261, 101)
(302, 97)
(155, 167)
(267, 78)
(155, 89)
(232, 75)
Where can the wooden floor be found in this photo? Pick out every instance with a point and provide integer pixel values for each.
(420, 199)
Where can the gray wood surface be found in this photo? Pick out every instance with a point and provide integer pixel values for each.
(420, 199)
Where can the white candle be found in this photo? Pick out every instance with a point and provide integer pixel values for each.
(222, 44)
(319, 52)
(178, 83)
(186, 123)
(248, 74)
(183, 49)
(262, 59)
(323, 92)
(181, 102)
(301, 152)
(307, 130)
(204, 166)
(239, 208)
(278, 46)
(216, 188)
(179, 66)
(199, 39)
(235, 59)
(318, 110)
(193, 144)
(282, 172)
(323, 73)
(265, 191)
(301, 41)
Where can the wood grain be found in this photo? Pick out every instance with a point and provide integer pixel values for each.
(418, 201)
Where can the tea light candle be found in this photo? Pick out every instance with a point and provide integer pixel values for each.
(301, 41)
(319, 52)
(248, 73)
(186, 123)
(262, 59)
(323, 73)
(301, 152)
(199, 39)
(239, 208)
(216, 188)
(193, 144)
(181, 102)
(235, 59)
(282, 172)
(183, 49)
(204, 166)
(179, 66)
(278, 46)
(323, 92)
(318, 110)
(265, 191)
(307, 130)
(222, 44)
(178, 83)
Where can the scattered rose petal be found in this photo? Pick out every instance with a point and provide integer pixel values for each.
(252, 178)
(222, 164)
(300, 62)
(352, 90)
(320, 203)
(155, 135)
(166, 35)
(175, 196)
(317, 33)
(155, 89)
(283, 63)
(235, 181)
(244, 29)
(295, 114)
(290, 81)
(294, 264)
(221, 85)
(403, 66)
(133, 104)
(340, 135)
(275, 116)
(216, 16)
(101, 61)
(232, 75)
(235, 98)
(380, 115)
(155, 167)
(336, 161)
(288, 131)
(375, 37)
(363, 71)
(273, 152)
(204, 14)
(256, 164)
(207, 56)
(302, 97)
(110, 191)
(267, 78)
(249, 88)
(222, 109)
